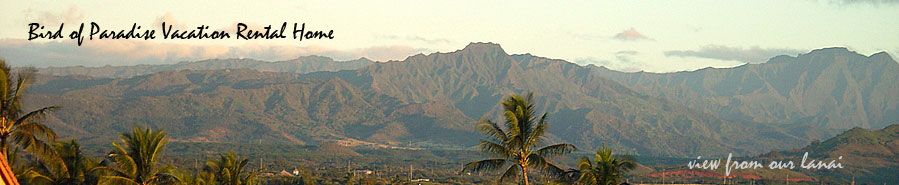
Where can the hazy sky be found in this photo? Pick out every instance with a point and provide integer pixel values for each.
(658, 36)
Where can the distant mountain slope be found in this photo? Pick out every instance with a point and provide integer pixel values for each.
(424, 101)
(305, 64)
(824, 91)
(870, 156)
(586, 109)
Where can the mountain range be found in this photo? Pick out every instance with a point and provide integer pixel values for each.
(435, 100)
(820, 93)
(306, 64)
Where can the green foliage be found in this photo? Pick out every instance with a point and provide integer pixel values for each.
(80, 169)
(136, 159)
(516, 144)
(230, 170)
(608, 169)
(24, 130)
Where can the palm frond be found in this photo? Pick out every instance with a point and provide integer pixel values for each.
(484, 165)
(25, 76)
(494, 149)
(117, 180)
(588, 178)
(512, 123)
(584, 164)
(164, 178)
(536, 135)
(511, 173)
(126, 164)
(5, 84)
(556, 150)
(492, 130)
(38, 129)
(35, 114)
(39, 148)
(32, 176)
(543, 165)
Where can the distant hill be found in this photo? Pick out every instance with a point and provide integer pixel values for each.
(815, 95)
(424, 101)
(335, 149)
(870, 156)
(305, 64)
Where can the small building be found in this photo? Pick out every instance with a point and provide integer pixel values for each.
(363, 172)
(285, 173)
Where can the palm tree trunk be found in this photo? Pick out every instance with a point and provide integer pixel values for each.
(524, 173)
(3, 148)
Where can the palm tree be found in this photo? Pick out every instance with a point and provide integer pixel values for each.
(200, 178)
(17, 127)
(569, 176)
(516, 143)
(230, 170)
(80, 169)
(136, 158)
(608, 170)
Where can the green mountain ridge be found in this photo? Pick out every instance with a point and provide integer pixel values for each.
(868, 156)
(429, 100)
(815, 95)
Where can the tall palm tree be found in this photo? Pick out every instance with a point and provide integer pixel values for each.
(608, 169)
(230, 170)
(17, 127)
(136, 159)
(517, 143)
(80, 169)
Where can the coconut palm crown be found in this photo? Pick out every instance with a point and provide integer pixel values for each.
(137, 157)
(516, 145)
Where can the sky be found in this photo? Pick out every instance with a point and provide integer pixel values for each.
(654, 36)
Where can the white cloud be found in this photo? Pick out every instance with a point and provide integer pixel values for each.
(71, 15)
(415, 38)
(871, 2)
(623, 61)
(749, 55)
(169, 19)
(630, 35)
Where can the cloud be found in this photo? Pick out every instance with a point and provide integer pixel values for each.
(630, 35)
(627, 52)
(870, 2)
(752, 55)
(169, 19)
(71, 15)
(416, 39)
(21, 52)
(623, 61)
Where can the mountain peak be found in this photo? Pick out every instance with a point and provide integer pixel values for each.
(363, 59)
(311, 58)
(831, 51)
(483, 47)
(883, 55)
